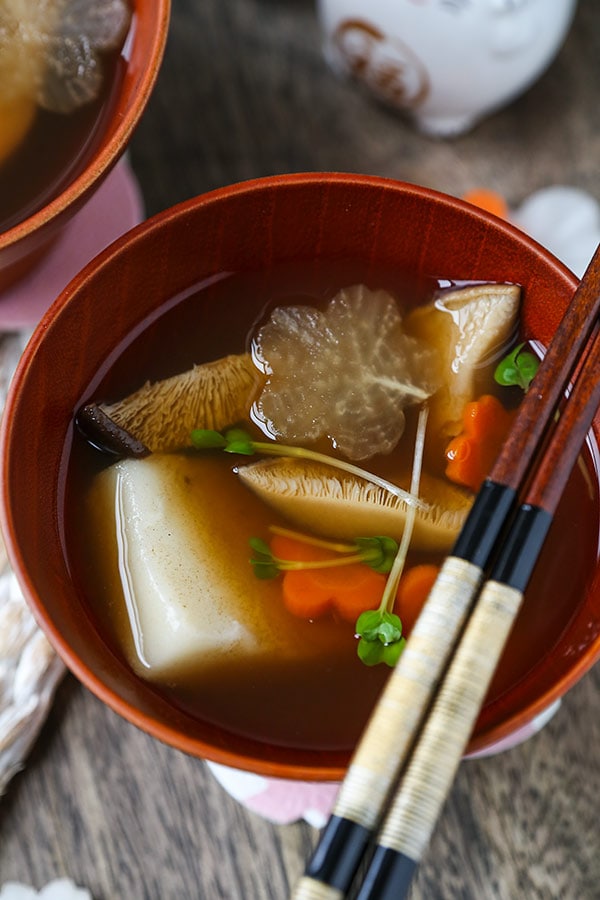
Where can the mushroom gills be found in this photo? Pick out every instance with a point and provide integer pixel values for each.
(161, 415)
(343, 506)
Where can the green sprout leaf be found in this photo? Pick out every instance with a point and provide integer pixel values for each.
(370, 652)
(378, 552)
(380, 636)
(205, 439)
(518, 368)
(264, 565)
(367, 624)
(374, 625)
(264, 570)
(260, 547)
(373, 653)
(235, 440)
(239, 441)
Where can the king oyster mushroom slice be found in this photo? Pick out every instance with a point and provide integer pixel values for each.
(466, 326)
(343, 506)
(162, 415)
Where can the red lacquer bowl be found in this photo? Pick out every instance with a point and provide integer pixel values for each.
(309, 218)
(22, 245)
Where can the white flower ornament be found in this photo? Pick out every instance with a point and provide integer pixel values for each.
(59, 889)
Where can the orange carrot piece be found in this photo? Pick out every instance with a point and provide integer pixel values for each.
(310, 593)
(348, 590)
(303, 596)
(284, 546)
(489, 200)
(472, 453)
(413, 591)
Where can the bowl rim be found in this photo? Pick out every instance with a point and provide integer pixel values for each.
(321, 771)
(101, 162)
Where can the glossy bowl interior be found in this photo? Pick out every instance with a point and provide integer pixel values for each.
(22, 245)
(244, 228)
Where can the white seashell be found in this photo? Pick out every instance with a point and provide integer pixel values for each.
(12, 890)
(59, 889)
(63, 889)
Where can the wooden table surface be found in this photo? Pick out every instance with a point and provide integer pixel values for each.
(244, 92)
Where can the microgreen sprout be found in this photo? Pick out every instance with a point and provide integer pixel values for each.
(380, 630)
(236, 440)
(376, 552)
(381, 639)
(518, 368)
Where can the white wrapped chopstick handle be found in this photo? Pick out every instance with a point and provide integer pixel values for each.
(426, 783)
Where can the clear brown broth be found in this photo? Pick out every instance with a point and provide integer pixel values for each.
(56, 150)
(324, 705)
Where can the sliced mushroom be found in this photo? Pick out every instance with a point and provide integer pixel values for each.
(342, 506)
(465, 326)
(162, 415)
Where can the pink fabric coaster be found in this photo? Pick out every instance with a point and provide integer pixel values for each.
(279, 800)
(284, 801)
(115, 208)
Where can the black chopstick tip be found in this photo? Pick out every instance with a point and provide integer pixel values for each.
(485, 523)
(388, 876)
(339, 853)
(519, 554)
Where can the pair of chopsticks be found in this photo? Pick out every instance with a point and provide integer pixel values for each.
(404, 765)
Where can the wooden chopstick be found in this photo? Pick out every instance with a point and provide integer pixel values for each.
(393, 726)
(423, 788)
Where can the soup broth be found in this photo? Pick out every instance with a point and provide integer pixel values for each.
(319, 694)
(54, 152)
(57, 146)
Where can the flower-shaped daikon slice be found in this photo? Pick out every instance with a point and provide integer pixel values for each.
(346, 373)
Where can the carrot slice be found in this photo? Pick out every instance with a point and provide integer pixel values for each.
(472, 453)
(310, 593)
(413, 591)
(347, 590)
(285, 547)
(489, 200)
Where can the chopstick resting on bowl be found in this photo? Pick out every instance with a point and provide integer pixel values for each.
(413, 812)
(390, 736)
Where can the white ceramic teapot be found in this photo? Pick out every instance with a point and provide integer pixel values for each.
(446, 62)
